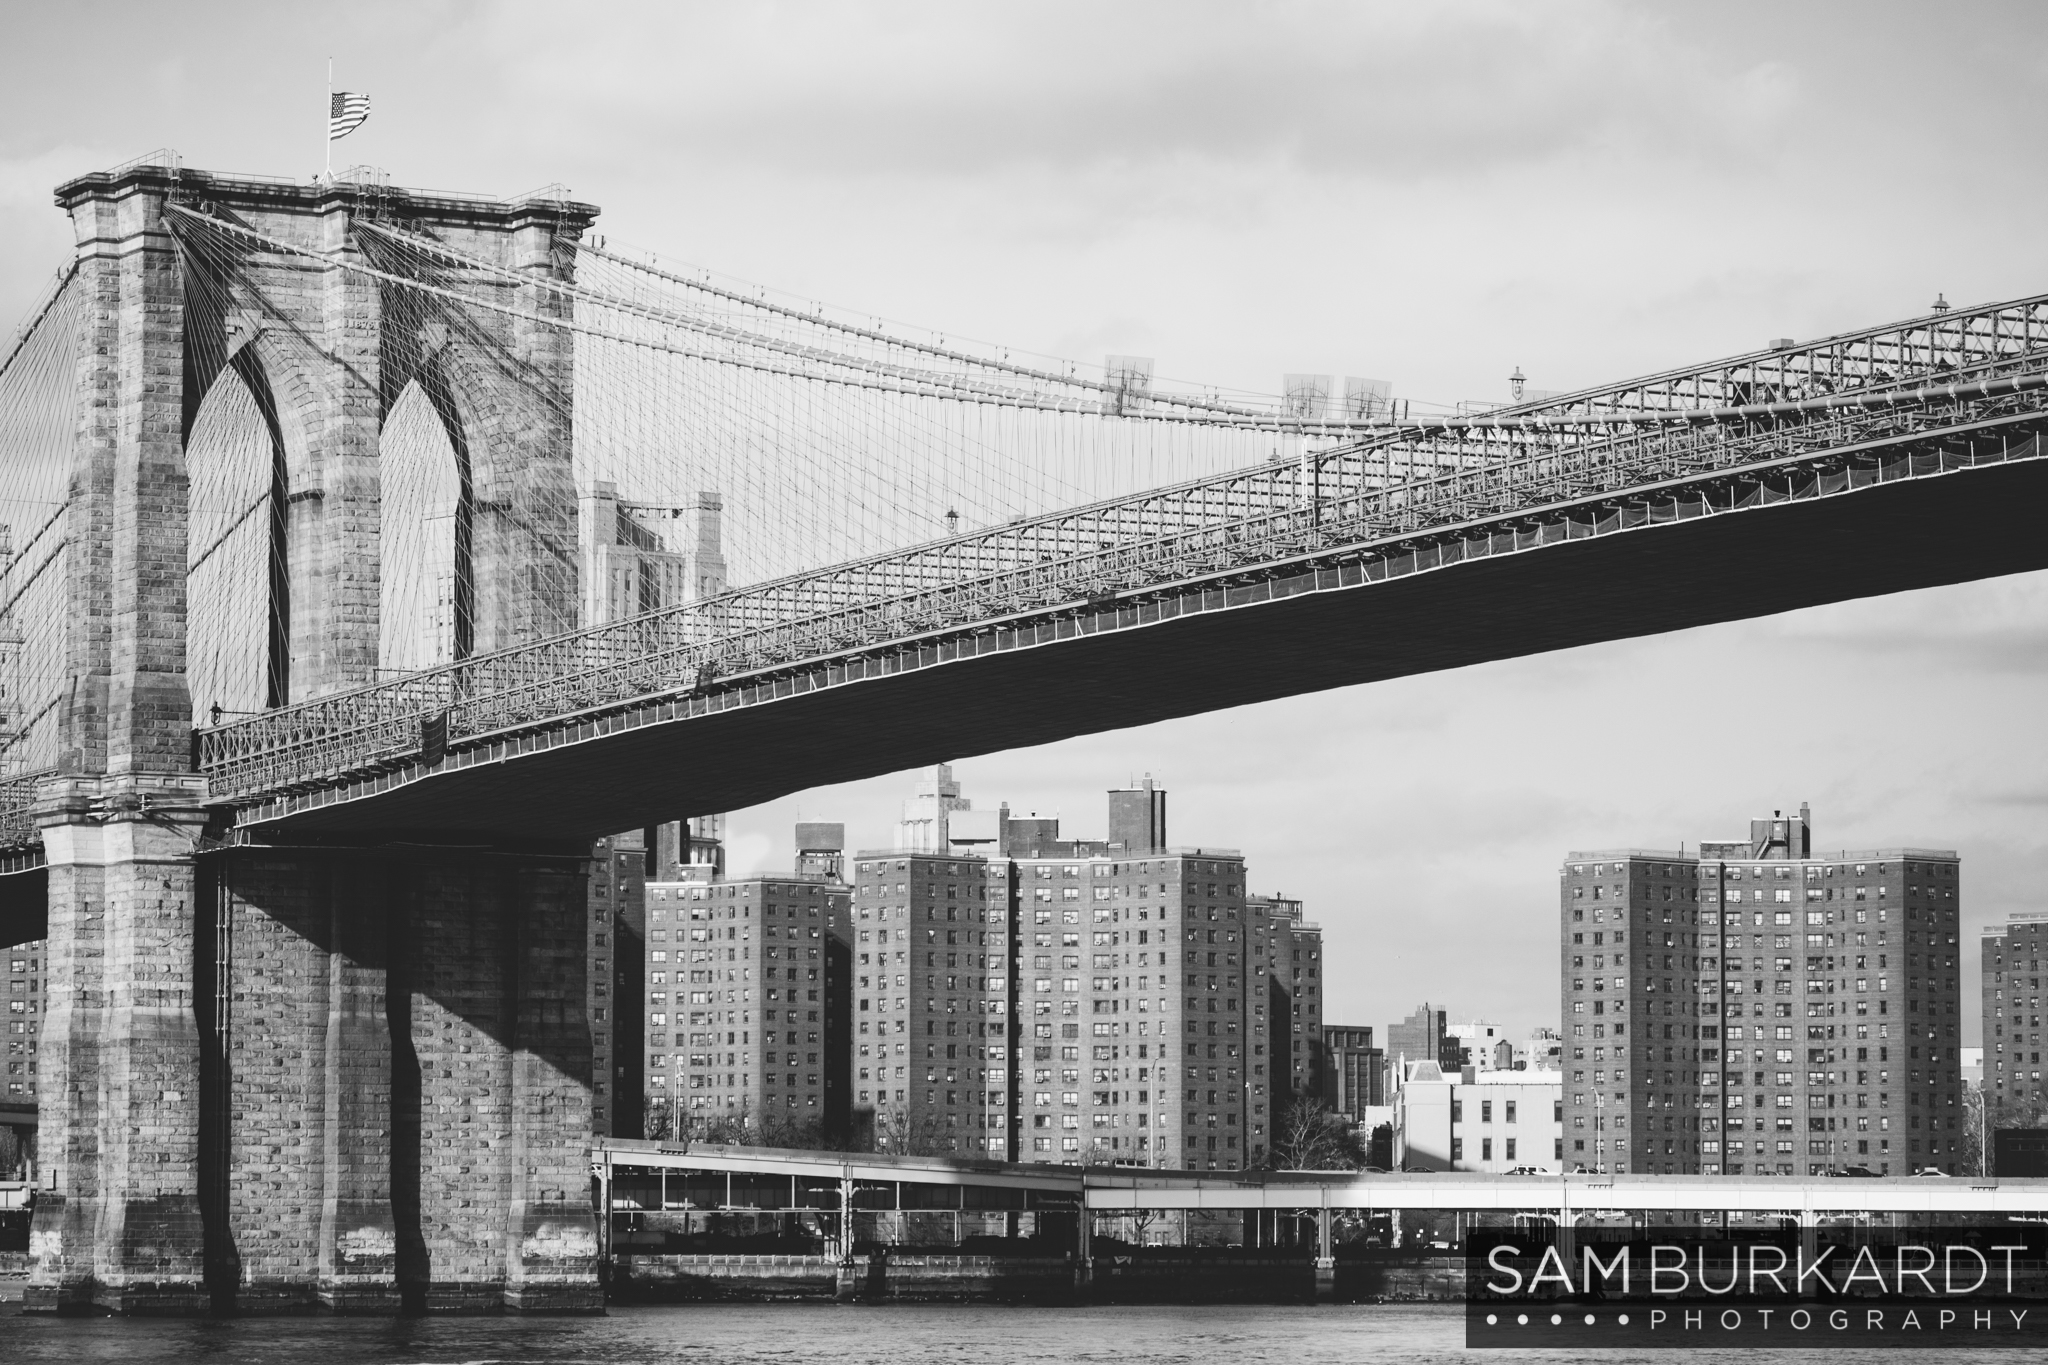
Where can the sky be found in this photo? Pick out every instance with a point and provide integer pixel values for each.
(1431, 194)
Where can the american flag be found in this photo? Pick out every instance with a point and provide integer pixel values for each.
(345, 113)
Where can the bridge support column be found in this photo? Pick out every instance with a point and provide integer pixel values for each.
(551, 1237)
(398, 1080)
(301, 1082)
(118, 1225)
(848, 1286)
(357, 1269)
(497, 1029)
(1326, 1259)
(1084, 1251)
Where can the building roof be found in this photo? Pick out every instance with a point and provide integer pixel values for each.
(1838, 856)
(1540, 1076)
(1594, 853)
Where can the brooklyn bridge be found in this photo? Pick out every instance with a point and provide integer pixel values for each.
(358, 577)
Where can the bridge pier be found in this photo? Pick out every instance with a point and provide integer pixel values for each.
(497, 1025)
(377, 1096)
(117, 1224)
(299, 1056)
(423, 1010)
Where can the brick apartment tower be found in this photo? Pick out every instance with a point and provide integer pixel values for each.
(1105, 1002)
(616, 926)
(932, 1002)
(1107, 939)
(1760, 1009)
(2010, 958)
(745, 1008)
(1293, 954)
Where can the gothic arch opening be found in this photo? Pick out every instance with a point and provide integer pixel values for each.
(426, 512)
(237, 584)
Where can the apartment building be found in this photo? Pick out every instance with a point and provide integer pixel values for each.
(1761, 1009)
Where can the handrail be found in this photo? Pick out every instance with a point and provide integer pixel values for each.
(17, 795)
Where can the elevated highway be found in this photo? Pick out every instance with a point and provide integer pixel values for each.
(640, 1175)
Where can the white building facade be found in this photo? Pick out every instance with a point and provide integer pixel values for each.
(1491, 1121)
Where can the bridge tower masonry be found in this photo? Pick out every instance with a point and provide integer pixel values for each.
(288, 1077)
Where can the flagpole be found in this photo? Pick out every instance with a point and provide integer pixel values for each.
(328, 130)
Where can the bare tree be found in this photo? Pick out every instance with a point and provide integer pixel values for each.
(897, 1131)
(1976, 1154)
(1983, 1116)
(657, 1120)
(740, 1128)
(1309, 1137)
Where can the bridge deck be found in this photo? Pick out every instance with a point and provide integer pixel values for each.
(1226, 640)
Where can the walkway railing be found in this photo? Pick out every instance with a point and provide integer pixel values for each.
(17, 823)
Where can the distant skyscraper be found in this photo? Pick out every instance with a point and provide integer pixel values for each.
(1760, 1009)
(638, 558)
(1482, 1045)
(2010, 958)
(1423, 1036)
(1354, 1070)
(1542, 1050)
(923, 828)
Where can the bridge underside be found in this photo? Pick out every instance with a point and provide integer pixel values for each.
(24, 905)
(1922, 533)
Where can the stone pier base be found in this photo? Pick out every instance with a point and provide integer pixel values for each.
(378, 1099)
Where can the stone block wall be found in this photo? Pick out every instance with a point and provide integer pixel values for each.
(273, 1076)
(410, 1080)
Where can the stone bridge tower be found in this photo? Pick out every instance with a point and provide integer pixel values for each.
(287, 1076)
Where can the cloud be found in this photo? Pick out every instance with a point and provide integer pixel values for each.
(1411, 92)
(1999, 626)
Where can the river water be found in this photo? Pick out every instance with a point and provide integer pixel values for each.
(827, 1334)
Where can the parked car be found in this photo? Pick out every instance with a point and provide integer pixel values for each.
(1863, 1172)
(1930, 1170)
(1531, 1170)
